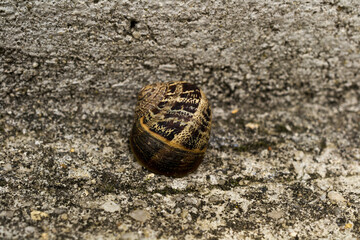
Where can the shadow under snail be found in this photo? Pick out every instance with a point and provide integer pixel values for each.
(171, 130)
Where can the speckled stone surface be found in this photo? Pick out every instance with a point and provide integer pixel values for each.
(283, 78)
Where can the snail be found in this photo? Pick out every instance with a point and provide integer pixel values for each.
(172, 126)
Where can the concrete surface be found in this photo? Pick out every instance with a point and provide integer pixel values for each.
(283, 78)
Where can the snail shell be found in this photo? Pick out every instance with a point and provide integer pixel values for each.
(171, 129)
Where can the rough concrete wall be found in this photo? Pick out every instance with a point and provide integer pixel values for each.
(284, 83)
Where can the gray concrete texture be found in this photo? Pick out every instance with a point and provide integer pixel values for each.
(283, 78)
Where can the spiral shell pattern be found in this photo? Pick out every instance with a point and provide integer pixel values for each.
(172, 128)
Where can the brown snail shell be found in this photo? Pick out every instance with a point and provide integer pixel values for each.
(172, 128)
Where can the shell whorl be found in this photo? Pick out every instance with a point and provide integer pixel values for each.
(177, 116)
(148, 97)
(182, 115)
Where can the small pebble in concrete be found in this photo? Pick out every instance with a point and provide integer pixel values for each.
(140, 215)
(348, 226)
(107, 150)
(252, 125)
(7, 167)
(235, 111)
(168, 68)
(37, 215)
(64, 217)
(336, 197)
(110, 206)
(79, 174)
(276, 214)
